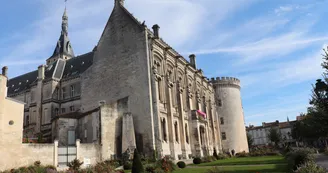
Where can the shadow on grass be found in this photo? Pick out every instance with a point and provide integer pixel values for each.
(271, 168)
(247, 161)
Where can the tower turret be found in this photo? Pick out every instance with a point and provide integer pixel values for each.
(63, 47)
(230, 112)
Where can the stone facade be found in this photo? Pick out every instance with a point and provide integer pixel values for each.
(260, 137)
(132, 73)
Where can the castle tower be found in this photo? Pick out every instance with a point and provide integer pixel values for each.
(231, 115)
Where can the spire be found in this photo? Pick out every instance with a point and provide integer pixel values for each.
(287, 119)
(65, 22)
(63, 47)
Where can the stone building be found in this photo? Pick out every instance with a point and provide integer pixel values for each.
(132, 90)
(260, 137)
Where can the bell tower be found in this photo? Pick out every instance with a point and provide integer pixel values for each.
(63, 49)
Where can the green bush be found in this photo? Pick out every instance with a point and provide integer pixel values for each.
(197, 160)
(222, 156)
(299, 157)
(214, 170)
(242, 154)
(137, 166)
(310, 167)
(165, 164)
(75, 165)
(207, 159)
(113, 163)
(181, 164)
(127, 165)
(103, 167)
(150, 168)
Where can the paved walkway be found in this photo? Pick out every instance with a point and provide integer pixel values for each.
(322, 160)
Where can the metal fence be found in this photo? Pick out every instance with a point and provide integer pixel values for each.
(66, 154)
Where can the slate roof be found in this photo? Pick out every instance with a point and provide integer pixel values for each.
(21, 83)
(59, 69)
(78, 64)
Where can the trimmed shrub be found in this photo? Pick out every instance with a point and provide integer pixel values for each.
(299, 157)
(242, 154)
(137, 166)
(75, 165)
(197, 160)
(310, 167)
(127, 165)
(214, 170)
(181, 164)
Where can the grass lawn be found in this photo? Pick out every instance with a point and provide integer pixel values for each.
(277, 168)
(247, 161)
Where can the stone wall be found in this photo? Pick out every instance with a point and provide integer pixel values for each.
(13, 153)
(89, 154)
(121, 70)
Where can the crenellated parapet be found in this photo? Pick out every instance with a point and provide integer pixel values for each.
(226, 81)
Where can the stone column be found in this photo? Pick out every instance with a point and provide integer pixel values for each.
(55, 161)
(182, 122)
(170, 119)
(157, 123)
(78, 154)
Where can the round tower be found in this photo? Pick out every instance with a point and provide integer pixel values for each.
(230, 114)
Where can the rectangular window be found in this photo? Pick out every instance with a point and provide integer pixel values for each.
(221, 120)
(85, 133)
(63, 110)
(64, 93)
(72, 90)
(224, 137)
(72, 109)
(27, 120)
(56, 111)
(45, 116)
(219, 102)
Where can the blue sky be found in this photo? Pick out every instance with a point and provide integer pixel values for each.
(273, 46)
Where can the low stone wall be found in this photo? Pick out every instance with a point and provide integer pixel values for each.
(27, 154)
(88, 153)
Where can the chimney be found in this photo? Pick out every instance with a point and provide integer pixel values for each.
(192, 61)
(5, 71)
(41, 72)
(155, 30)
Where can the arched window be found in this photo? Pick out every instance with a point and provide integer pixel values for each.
(176, 131)
(187, 136)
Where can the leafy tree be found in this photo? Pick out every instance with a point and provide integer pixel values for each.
(250, 140)
(137, 165)
(274, 136)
